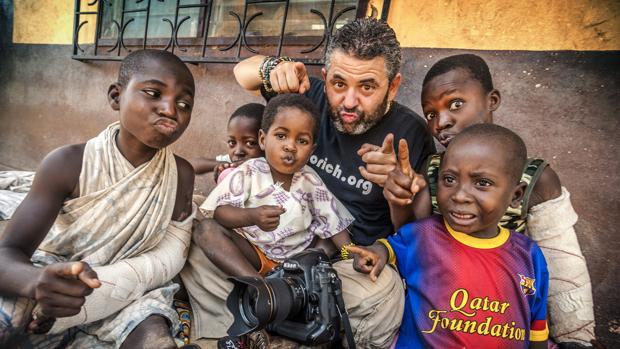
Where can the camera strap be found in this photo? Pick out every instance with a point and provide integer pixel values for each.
(344, 316)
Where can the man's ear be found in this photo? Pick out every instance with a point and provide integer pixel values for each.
(517, 194)
(494, 99)
(114, 95)
(261, 139)
(393, 88)
(324, 74)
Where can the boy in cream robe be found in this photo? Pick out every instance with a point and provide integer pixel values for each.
(90, 253)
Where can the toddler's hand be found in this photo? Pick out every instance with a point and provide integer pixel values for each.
(267, 217)
(403, 183)
(368, 259)
(61, 288)
(222, 166)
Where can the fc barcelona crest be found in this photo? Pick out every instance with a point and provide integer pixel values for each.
(527, 285)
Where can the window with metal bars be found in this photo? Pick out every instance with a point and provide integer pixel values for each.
(219, 31)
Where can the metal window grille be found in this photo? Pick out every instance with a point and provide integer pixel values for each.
(200, 47)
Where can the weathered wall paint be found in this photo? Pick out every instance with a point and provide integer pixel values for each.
(50, 22)
(532, 25)
(477, 24)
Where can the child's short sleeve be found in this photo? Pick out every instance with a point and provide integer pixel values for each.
(233, 190)
(401, 244)
(329, 216)
(538, 306)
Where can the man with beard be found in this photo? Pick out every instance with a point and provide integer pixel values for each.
(358, 112)
(356, 100)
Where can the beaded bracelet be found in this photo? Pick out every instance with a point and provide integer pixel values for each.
(391, 254)
(344, 252)
(268, 64)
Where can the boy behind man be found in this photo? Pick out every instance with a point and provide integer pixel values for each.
(119, 204)
(470, 282)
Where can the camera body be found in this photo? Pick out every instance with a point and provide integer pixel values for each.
(299, 300)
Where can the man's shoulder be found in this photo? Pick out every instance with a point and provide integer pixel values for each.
(407, 117)
(311, 175)
(317, 90)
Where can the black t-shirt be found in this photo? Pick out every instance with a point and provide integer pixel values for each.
(336, 161)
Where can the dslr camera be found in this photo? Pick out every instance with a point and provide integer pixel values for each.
(301, 299)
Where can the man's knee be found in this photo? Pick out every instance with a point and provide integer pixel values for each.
(375, 308)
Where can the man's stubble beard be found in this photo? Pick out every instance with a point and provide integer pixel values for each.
(364, 123)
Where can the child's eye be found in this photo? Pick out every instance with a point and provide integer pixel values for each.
(184, 105)
(456, 104)
(152, 93)
(303, 141)
(430, 115)
(280, 136)
(484, 183)
(448, 179)
(231, 143)
(251, 144)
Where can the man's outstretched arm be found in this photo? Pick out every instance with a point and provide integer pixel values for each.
(283, 76)
(246, 73)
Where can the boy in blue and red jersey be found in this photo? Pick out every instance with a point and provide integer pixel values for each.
(470, 282)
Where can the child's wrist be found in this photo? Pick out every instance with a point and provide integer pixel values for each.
(344, 252)
(388, 251)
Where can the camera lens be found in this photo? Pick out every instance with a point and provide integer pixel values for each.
(296, 300)
(257, 302)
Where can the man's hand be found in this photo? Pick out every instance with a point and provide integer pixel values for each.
(379, 160)
(290, 77)
(61, 288)
(403, 182)
(369, 259)
(266, 217)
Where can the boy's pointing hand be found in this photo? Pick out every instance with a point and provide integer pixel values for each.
(61, 288)
(403, 183)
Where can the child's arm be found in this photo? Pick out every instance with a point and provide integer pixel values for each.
(539, 332)
(369, 259)
(185, 190)
(59, 289)
(266, 217)
(204, 165)
(406, 191)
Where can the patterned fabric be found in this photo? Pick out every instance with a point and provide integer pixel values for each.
(311, 209)
(184, 311)
(491, 293)
(122, 212)
(514, 218)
